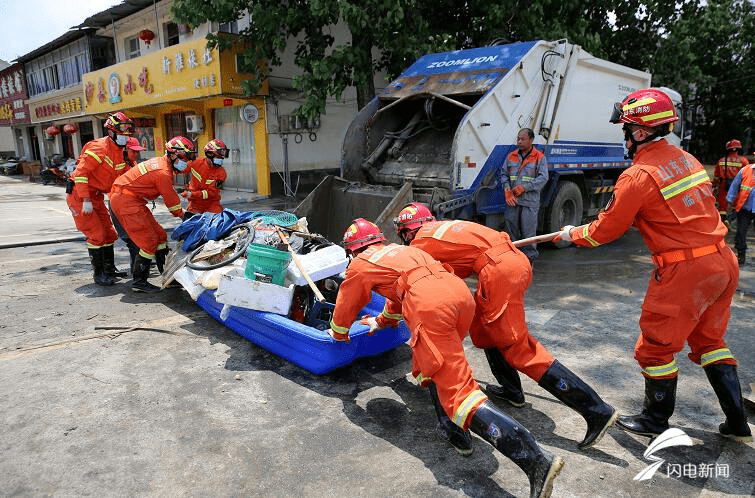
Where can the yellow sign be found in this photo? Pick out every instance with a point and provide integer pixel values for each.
(185, 71)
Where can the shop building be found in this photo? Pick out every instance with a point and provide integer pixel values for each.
(14, 113)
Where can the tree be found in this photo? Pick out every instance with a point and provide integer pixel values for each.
(327, 68)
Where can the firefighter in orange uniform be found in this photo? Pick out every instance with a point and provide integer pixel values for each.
(499, 326)
(726, 169)
(147, 181)
(438, 309)
(207, 177)
(131, 156)
(100, 163)
(667, 195)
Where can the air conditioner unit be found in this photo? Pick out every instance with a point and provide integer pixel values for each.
(194, 124)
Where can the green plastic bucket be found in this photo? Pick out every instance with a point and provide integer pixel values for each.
(266, 263)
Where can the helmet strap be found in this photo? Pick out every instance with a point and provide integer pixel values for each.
(629, 137)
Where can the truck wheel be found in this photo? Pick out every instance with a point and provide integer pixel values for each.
(566, 209)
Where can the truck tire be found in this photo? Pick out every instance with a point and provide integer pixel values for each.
(566, 209)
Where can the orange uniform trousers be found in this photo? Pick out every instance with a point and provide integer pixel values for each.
(139, 222)
(681, 306)
(503, 277)
(438, 308)
(97, 226)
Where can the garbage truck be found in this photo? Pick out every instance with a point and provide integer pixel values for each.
(440, 132)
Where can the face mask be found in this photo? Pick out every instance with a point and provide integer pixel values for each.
(121, 140)
(217, 161)
(180, 164)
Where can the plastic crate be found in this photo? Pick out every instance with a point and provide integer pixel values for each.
(266, 263)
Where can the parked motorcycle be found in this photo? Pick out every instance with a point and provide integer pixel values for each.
(55, 170)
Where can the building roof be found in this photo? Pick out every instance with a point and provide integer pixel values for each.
(90, 24)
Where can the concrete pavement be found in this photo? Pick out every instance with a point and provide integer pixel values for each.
(110, 393)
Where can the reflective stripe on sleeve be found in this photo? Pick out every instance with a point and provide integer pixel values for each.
(175, 208)
(80, 179)
(585, 231)
(94, 155)
(338, 329)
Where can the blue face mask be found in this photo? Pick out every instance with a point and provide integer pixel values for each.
(217, 161)
(180, 164)
(121, 139)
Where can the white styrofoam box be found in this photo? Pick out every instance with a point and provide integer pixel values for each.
(237, 290)
(320, 264)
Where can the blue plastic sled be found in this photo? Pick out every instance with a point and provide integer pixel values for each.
(308, 347)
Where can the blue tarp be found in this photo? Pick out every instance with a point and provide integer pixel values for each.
(209, 226)
(214, 226)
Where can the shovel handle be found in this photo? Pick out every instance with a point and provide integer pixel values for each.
(299, 265)
(547, 237)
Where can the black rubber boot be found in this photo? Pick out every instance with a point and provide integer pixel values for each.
(133, 251)
(660, 398)
(141, 273)
(517, 443)
(725, 382)
(577, 395)
(108, 258)
(741, 257)
(510, 388)
(447, 430)
(160, 256)
(100, 277)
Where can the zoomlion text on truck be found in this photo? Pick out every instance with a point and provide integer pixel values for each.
(441, 131)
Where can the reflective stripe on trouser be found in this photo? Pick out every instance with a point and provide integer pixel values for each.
(436, 343)
(500, 319)
(671, 312)
(97, 225)
(520, 222)
(139, 223)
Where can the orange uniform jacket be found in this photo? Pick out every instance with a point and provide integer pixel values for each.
(205, 193)
(667, 195)
(437, 308)
(100, 163)
(147, 181)
(504, 274)
(726, 169)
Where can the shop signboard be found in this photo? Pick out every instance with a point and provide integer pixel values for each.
(185, 71)
(13, 110)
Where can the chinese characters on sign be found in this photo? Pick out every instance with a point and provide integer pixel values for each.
(702, 470)
(65, 107)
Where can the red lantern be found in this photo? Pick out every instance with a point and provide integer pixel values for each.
(52, 130)
(146, 36)
(71, 128)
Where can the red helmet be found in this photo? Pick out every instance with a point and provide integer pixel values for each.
(119, 123)
(733, 144)
(649, 107)
(216, 148)
(413, 216)
(361, 233)
(134, 144)
(181, 147)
